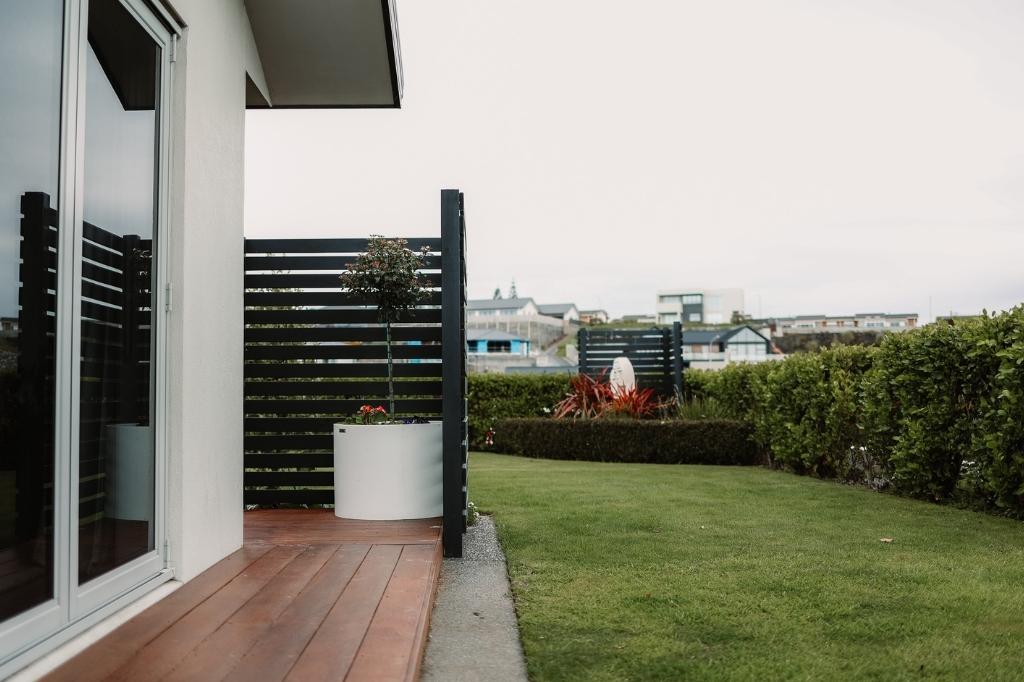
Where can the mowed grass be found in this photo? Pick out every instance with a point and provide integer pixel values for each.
(654, 572)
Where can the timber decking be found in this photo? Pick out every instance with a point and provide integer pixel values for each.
(308, 597)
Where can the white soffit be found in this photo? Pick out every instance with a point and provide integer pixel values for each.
(327, 53)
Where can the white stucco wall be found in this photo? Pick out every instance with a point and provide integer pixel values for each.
(205, 344)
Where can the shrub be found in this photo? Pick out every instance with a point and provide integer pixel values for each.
(498, 396)
(587, 398)
(712, 441)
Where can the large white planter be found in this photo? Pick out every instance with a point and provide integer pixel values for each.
(130, 472)
(386, 472)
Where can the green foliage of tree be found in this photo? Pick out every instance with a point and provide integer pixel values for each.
(388, 274)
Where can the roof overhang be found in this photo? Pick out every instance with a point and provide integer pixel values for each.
(326, 54)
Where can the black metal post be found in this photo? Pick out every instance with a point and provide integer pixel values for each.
(581, 340)
(453, 378)
(677, 358)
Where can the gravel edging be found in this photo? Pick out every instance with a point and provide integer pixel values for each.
(474, 634)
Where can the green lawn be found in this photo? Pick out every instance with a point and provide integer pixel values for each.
(643, 571)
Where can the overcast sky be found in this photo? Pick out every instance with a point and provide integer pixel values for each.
(830, 157)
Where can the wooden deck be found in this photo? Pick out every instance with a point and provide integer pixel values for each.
(308, 597)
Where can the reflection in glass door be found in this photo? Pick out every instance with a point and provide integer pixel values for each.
(116, 449)
(31, 38)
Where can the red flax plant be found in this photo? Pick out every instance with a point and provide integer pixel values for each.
(587, 398)
(592, 398)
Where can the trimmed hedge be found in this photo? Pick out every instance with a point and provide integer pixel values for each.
(935, 413)
(630, 440)
(499, 396)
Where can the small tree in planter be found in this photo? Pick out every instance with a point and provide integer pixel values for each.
(388, 274)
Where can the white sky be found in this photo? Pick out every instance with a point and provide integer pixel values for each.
(829, 157)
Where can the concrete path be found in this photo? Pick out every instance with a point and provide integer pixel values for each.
(473, 631)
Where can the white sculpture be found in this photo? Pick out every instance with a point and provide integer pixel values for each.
(622, 378)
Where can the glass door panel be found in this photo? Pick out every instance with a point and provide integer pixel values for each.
(31, 40)
(116, 449)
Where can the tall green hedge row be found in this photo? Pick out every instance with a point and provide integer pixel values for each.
(936, 413)
(493, 397)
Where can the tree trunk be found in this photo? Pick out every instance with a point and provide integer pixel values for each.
(391, 374)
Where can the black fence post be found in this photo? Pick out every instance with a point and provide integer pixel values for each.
(581, 340)
(36, 349)
(677, 358)
(453, 376)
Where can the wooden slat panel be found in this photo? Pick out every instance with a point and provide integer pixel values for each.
(272, 263)
(338, 370)
(288, 496)
(329, 245)
(288, 442)
(343, 352)
(339, 407)
(341, 389)
(336, 316)
(289, 478)
(321, 298)
(325, 280)
(337, 334)
(101, 236)
(290, 460)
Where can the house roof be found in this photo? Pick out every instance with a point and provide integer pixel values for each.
(491, 335)
(325, 54)
(705, 337)
(593, 311)
(498, 303)
(555, 308)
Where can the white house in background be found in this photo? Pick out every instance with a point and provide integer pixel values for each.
(594, 317)
(716, 348)
(698, 306)
(812, 324)
(487, 307)
(567, 312)
(124, 128)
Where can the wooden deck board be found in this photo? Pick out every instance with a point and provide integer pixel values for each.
(309, 597)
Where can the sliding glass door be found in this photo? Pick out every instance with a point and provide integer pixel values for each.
(116, 462)
(31, 49)
(83, 135)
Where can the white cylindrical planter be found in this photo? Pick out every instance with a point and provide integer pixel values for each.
(387, 472)
(130, 472)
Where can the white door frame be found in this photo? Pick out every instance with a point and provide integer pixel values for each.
(107, 587)
(75, 608)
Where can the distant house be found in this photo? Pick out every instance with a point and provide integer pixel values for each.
(706, 348)
(812, 324)
(703, 306)
(488, 341)
(518, 316)
(639, 319)
(567, 312)
(594, 316)
(501, 306)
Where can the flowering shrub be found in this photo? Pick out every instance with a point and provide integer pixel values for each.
(369, 414)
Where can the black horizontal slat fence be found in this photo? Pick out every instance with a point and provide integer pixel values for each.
(656, 355)
(314, 354)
